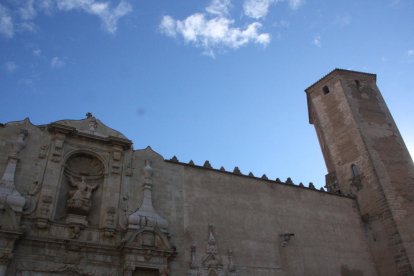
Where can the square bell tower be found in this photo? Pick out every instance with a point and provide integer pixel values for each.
(366, 157)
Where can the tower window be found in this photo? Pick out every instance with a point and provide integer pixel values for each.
(358, 84)
(325, 90)
(355, 171)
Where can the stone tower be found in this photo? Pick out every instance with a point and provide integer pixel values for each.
(367, 158)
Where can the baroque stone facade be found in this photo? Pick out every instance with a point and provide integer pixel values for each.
(76, 199)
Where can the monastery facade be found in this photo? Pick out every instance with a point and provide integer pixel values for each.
(77, 199)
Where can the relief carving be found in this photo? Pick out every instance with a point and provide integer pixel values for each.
(79, 201)
(83, 174)
(42, 221)
(58, 147)
(212, 263)
(116, 159)
(110, 222)
(43, 151)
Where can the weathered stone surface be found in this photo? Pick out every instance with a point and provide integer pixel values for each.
(366, 157)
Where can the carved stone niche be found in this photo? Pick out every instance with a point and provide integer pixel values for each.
(81, 190)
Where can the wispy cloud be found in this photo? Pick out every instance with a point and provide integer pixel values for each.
(410, 53)
(219, 7)
(20, 16)
(10, 66)
(57, 62)
(27, 11)
(317, 41)
(213, 30)
(108, 15)
(260, 8)
(6, 22)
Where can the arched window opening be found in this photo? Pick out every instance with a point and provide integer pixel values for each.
(355, 171)
(325, 90)
(358, 84)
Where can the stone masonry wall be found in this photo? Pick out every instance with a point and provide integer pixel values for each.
(218, 222)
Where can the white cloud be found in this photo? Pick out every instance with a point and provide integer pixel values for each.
(10, 66)
(108, 15)
(214, 29)
(25, 11)
(257, 8)
(6, 22)
(27, 26)
(411, 53)
(260, 8)
(219, 7)
(57, 62)
(317, 41)
(213, 33)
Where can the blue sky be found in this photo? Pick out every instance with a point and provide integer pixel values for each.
(217, 80)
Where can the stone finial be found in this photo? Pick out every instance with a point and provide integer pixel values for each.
(236, 170)
(148, 172)
(191, 163)
(289, 181)
(301, 184)
(222, 169)
(278, 180)
(311, 186)
(174, 159)
(251, 174)
(146, 216)
(264, 176)
(207, 165)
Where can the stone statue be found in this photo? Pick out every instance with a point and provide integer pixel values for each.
(79, 201)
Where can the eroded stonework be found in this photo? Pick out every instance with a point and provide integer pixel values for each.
(76, 199)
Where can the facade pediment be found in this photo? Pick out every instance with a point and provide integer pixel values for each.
(90, 127)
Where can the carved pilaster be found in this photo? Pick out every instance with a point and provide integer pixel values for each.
(116, 159)
(57, 147)
(44, 208)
